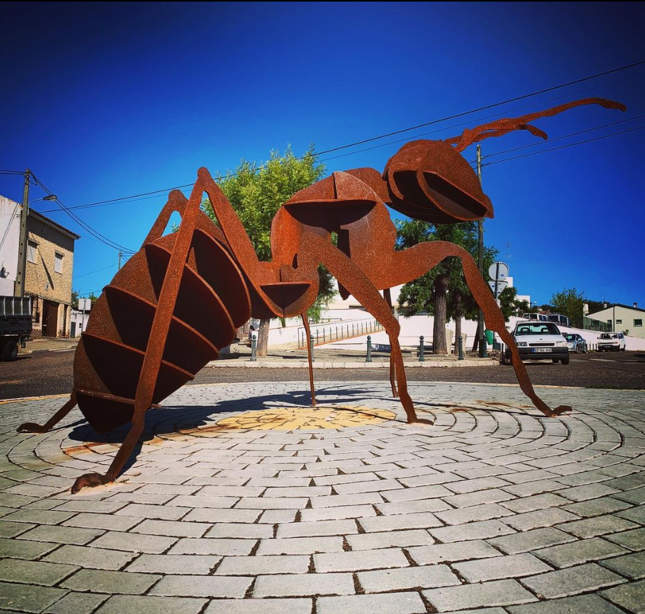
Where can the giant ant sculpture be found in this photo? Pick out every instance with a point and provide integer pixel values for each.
(178, 300)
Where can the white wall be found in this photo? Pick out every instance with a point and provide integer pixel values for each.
(9, 224)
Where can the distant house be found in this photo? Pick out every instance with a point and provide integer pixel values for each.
(50, 263)
(621, 318)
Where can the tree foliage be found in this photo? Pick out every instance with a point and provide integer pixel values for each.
(569, 303)
(257, 191)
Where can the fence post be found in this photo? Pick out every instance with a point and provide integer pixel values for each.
(312, 349)
(369, 349)
(421, 356)
(254, 343)
(461, 348)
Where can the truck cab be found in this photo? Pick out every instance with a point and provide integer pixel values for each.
(15, 325)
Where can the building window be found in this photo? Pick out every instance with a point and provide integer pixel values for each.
(58, 263)
(638, 322)
(32, 251)
(619, 321)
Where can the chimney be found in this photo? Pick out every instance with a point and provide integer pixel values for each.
(635, 304)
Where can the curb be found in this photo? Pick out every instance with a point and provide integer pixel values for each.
(303, 364)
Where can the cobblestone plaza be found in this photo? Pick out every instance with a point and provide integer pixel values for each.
(245, 500)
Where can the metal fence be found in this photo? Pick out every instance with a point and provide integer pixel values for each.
(326, 333)
(597, 325)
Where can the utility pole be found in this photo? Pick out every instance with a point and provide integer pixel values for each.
(19, 286)
(480, 228)
(119, 261)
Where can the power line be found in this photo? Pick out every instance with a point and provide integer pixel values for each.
(433, 122)
(598, 138)
(83, 224)
(92, 272)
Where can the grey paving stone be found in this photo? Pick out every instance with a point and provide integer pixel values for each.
(102, 521)
(600, 525)
(512, 566)
(23, 549)
(259, 565)
(77, 603)
(401, 603)
(531, 540)
(412, 494)
(34, 572)
(28, 598)
(11, 529)
(222, 515)
(540, 518)
(157, 512)
(632, 565)
(630, 596)
(536, 502)
(300, 545)
(423, 520)
(386, 580)
(474, 530)
(174, 564)
(120, 604)
(634, 540)
(401, 539)
(369, 498)
(501, 592)
(278, 516)
(202, 586)
(591, 491)
(474, 513)
(134, 542)
(171, 528)
(582, 551)
(597, 507)
(360, 560)
(304, 585)
(224, 547)
(636, 496)
(241, 530)
(566, 582)
(447, 553)
(273, 503)
(111, 582)
(583, 604)
(314, 529)
(62, 535)
(38, 516)
(260, 606)
(90, 557)
(479, 497)
(337, 513)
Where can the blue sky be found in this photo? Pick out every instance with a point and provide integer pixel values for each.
(106, 100)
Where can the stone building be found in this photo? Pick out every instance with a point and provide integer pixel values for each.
(50, 264)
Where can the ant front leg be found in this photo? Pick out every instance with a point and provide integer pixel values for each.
(428, 255)
(358, 284)
(32, 427)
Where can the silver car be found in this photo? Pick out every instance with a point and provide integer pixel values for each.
(576, 343)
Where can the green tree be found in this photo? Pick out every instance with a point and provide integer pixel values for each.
(569, 303)
(256, 192)
(442, 291)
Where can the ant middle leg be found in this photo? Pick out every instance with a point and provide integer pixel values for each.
(428, 255)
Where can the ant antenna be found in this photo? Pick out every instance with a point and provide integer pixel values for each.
(502, 126)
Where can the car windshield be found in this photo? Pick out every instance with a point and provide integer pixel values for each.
(539, 328)
(608, 336)
(570, 337)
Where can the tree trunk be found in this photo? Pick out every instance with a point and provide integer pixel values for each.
(457, 321)
(439, 345)
(476, 341)
(263, 338)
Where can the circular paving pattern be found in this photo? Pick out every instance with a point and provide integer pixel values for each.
(244, 500)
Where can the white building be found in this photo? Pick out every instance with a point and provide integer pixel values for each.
(622, 319)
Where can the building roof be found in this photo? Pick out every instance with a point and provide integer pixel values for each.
(631, 307)
(42, 218)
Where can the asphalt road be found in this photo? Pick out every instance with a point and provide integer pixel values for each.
(50, 372)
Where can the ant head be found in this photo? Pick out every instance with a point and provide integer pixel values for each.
(431, 181)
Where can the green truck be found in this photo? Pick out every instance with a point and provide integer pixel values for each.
(15, 325)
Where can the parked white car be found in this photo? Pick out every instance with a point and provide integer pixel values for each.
(611, 342)
(539, 341)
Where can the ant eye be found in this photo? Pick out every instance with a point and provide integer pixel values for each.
(431, 181)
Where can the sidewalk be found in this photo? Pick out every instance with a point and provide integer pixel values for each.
(246, 500)
(326, 357)
(49, 344)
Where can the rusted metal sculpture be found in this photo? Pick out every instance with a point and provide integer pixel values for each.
(178, 300)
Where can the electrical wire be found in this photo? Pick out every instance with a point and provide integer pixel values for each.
(143, 195)
(92, 272)
(535, 153)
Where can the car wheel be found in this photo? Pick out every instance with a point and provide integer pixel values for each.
(10, 351)
(565, 361)
(555, 361)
